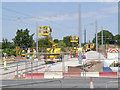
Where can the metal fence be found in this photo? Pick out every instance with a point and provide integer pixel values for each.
(38, 65)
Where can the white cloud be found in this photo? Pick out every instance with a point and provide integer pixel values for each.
(52, 18)
(102, 13)
(45, 18)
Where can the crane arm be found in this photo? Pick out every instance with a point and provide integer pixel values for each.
(18, 48)
(77, 44)
(53, 43)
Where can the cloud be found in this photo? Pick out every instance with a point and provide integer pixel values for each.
(100, 14)
(103, 13)
(52, 18)
(45, 18)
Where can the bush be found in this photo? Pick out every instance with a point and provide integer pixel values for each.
(68, 49)
(40, 50)
(9, 51)
(61, 44)
(44, 50)
(0, 53)
(63, 49)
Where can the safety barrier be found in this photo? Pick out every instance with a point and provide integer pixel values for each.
(53, 75)
(108, 74)
(71, 75)
(34, 75)
(115, 50)
(58, 75)
(90, 74)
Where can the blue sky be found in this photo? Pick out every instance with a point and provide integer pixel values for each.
(62, 17)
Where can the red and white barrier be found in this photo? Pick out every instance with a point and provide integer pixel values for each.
(58, 75)
(53, 75)
(34, 75)
(90, 74)
(108, 74)
(113, 50)
(71, 75)
(49, 59)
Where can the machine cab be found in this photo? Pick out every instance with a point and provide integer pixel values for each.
(44, 31)
(74, 39)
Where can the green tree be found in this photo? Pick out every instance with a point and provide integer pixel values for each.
(9, 51)
(61, 44)
(23, 38)
(0, 45)
(43, 42)
(7, 44)
(66, 40)
(117, 39)
(56, 40)
(106, 34)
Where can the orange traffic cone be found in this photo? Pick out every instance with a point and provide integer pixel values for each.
(21, 74)
(91, 85)
(16, 73)
(45, 68)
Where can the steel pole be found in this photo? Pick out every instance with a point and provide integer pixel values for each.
(96, 37)
(31, 70)
(85, 39)
(105, 42)
(17, 70)
(80, 36)
(102, 38)
(37, 39)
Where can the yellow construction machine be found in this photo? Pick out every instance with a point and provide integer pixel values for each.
(53, 53)
(74, 39)
(88, 46)
(19, 52)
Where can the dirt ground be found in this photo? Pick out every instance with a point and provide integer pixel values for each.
(94, 66)
(91, 66)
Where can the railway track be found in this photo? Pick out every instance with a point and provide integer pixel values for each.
(25, 69)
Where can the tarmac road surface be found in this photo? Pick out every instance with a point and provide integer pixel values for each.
(58, 83)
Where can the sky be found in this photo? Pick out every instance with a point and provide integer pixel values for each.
(62, 17)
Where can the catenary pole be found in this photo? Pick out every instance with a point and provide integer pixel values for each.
(96, 38)
(80, 36)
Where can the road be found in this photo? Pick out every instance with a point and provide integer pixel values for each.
(66, 83)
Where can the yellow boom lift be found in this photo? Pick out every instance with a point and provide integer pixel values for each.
(74, 39)
(53, 53)
(88, 47)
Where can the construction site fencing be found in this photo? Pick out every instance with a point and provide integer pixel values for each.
(60, 67)
(32, 65)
